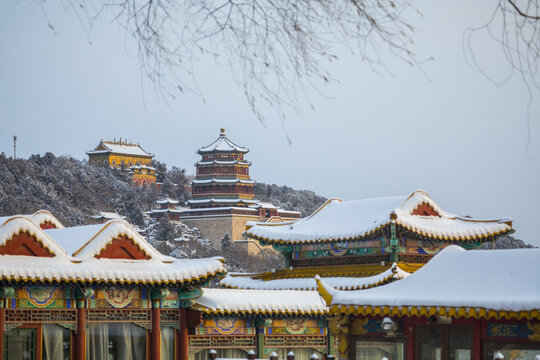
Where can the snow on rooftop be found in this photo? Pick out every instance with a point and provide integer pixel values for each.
(118, 147)
(219, 209)
(222, 181)
(167, 200)
(222, 144)
(505, 280)
(138, 167)
(229, 301)
(90, 240)
(73, 258)
(338, 220)
(164, 211)
(342, 283)
(106, 270)
(107, 215)
(17, 224)
(222, 162)
(73, 238)
(39, 217)
(232, 200)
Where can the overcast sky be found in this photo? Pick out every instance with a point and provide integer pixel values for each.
(454, 134)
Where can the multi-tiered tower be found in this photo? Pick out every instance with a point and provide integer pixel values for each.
(223, 198)
(222, 178)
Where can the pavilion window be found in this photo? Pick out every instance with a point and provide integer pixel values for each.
(444, 343)
(20, 344)
(375, 350)
(56, 343)
(114, 341)
(168, 343)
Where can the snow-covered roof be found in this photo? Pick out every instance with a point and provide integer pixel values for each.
(265, 205)
(219, 209)
(138, 167)
(89, 240)
(222, 144)
(222, 162)
(40, 217)
(119, 147)
(18, 224)
(167, 200)
(233, 200)
(343, 283)
(163, 211)
(222, 181)
(116, 271)
(107, 215)
(233, 301)
(339, 220)
(456, 282)
(73, 256)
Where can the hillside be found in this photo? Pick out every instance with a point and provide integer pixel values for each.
(73, 190)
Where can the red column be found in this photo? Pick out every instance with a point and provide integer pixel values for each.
(155, 339)
(2, 322)
(80, 335)
(183, 340)
(408, 328)
(477, 340)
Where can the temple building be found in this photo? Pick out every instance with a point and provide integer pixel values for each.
(102, 292)
(222, 195)
(222, 177)
(123, 154)
(144, 175)
(167, 207)
(355, 247)
(95, 292)
(374, 233)
(266, 321)
(104, 216)
(479, 304)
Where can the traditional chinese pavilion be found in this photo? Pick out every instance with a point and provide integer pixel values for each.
(94, 292)
(479, 304)
(272, 316)
(124, 154)
(360, 245)
(237, 321)
(222, 194)
(222, 177)
(366, 236)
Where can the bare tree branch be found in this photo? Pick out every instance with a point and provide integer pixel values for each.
(522, 13)
(277, 50)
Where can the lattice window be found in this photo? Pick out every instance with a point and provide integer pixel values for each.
(117, 315)
(347, 260)
(170, 315)
(220, 342)
(40, 316)
(285, 341)
(415, 258)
